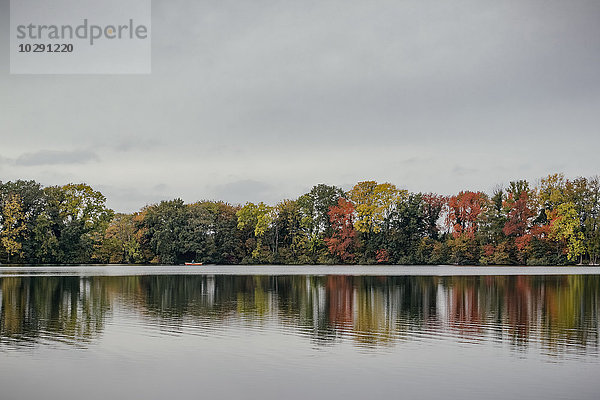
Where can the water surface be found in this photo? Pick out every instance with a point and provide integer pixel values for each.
(69, 333)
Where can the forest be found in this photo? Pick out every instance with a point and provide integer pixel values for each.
(554, 222)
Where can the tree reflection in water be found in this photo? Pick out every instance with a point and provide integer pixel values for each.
(558, 312)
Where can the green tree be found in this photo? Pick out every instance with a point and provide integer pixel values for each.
(259, 218)
(84, 218)
(314, 208)
(162, 226)
(405, 228)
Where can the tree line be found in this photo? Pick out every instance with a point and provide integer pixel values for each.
(555, 222)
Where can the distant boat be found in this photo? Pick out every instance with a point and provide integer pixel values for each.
(193, 263)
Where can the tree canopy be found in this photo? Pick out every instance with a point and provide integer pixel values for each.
(555, 222)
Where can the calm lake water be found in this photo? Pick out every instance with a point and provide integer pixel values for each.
(299, 333)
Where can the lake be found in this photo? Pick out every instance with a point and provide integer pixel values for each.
(304, 332)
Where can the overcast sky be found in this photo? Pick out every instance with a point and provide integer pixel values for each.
(260, 100)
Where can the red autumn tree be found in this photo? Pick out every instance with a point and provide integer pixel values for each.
(342, 242)
(463, 211)
(519, 214)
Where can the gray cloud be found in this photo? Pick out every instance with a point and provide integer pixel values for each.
(56, 157)
(459, 170)
(127, 144)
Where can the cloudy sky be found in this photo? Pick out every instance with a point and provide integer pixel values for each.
(260, 100)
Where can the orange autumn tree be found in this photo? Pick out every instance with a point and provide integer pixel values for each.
(517, 227)
(342, 242)
(519, 215)
(463, 212)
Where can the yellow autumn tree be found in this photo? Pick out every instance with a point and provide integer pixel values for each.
(551, 191)
(13, 226)
(565, 226)
(373, 202)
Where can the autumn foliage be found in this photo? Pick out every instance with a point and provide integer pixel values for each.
(555, 222)
(463, 211)
(343, 241)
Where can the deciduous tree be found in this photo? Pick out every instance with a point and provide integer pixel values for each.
(343, 242)
(12, 226)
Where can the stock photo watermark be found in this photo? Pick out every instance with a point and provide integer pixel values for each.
(83, 37)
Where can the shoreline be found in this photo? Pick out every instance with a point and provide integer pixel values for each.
(282, 270)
